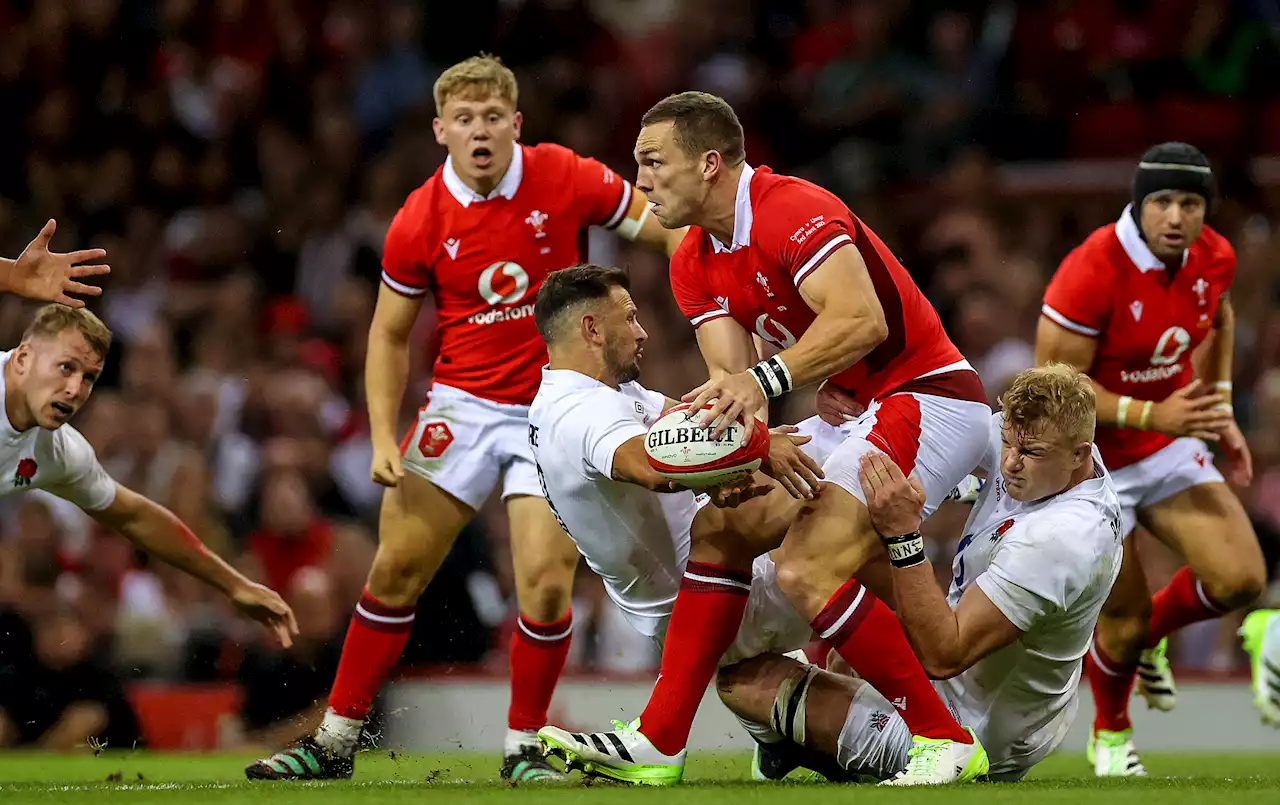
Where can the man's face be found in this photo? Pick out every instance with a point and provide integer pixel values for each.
(56, 375)
(480, 134)
(671, 179)
(623, 336)
(1171, 222)
(1037, 465)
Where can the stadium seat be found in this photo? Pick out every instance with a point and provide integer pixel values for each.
(1109, 130)
(1215, 126)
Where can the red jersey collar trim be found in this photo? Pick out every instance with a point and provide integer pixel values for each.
(507, 186)
(1136, 246)
(741, 214)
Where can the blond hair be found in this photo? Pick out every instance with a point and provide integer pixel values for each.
(1055, 396)
(477, 78)
(54, 318)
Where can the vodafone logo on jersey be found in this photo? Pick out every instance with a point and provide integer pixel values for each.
(1165, 361)
(773, 332)
(506, 289)
(503, 283)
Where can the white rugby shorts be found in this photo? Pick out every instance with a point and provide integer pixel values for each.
(1178, 466)
(466, 445)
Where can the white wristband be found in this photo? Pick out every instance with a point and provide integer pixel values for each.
(1122, 411)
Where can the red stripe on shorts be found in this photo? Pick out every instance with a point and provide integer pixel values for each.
(896, 431)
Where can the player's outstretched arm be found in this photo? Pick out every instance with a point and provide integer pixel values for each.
(947, 642)
(158, 531)
(47, 276)
(386, 372)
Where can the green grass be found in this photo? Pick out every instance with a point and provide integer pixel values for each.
(710, 780)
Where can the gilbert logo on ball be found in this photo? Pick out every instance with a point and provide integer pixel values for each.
(680, 449)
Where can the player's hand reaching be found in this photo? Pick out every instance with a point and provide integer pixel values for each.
(895, 501)
(835, 405)
(387, 468)
(50, 276)
(731, 496)
(790, 466)
(734, 395)
(1187, 412)
(1239, 460)
(265, 606)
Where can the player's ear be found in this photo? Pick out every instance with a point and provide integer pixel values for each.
(437, 126)
(712, 165)
(22, 357)
(517, 120)
(591, 332)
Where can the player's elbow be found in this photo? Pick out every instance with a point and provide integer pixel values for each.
(943, 664)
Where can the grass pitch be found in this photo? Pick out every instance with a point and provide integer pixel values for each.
(710, 780)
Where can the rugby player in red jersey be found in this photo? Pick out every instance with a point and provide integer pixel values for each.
(1129, 307)
(479, 237)
(782, 259)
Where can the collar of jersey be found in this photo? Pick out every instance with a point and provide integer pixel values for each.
(570, 377)
(741, 214)
(506, 188)
(1136, 246)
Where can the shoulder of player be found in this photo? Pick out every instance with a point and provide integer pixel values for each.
(68, 446)
(781, 193)
(1065, 525)
(690, 249)
(550, 160)
(419, 209)
(1214, 245)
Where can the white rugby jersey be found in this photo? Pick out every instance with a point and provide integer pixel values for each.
(1048, 565)
(58, 461)
(636, 540)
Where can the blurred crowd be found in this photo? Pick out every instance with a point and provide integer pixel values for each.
(242, 159)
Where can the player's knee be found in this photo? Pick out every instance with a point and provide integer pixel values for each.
(545, 587)
(398, 578)
(1123, 637)
(1237, 588)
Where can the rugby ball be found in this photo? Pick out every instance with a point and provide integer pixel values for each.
(680, 449)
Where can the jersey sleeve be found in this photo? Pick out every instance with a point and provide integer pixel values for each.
(1037, 572)
(801, 226)
(1078, 297)
(689, 286)
(404, 269)
(83, 481)
(601, 421)
(604, 197)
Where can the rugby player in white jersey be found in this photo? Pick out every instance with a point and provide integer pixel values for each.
(1040, 552)
(44, 381)
(587, 427)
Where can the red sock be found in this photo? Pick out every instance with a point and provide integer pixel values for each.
(869, 637)
(1112, 684)
(703, 624)
(538, 652)
(375, 641)
(1183, 601)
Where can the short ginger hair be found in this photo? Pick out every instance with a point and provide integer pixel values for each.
(1053, 397)
(54, 318)
(476, 78)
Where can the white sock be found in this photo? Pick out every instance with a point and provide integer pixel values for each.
(517, 740)
(339, 734)
(761, 732)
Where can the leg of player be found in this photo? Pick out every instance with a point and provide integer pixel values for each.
(832, 724)
(416, 528)
(1261, 633)
(1225, 570)
(830, 541)
(545, 560)
(704, 621)
(1111, 666)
